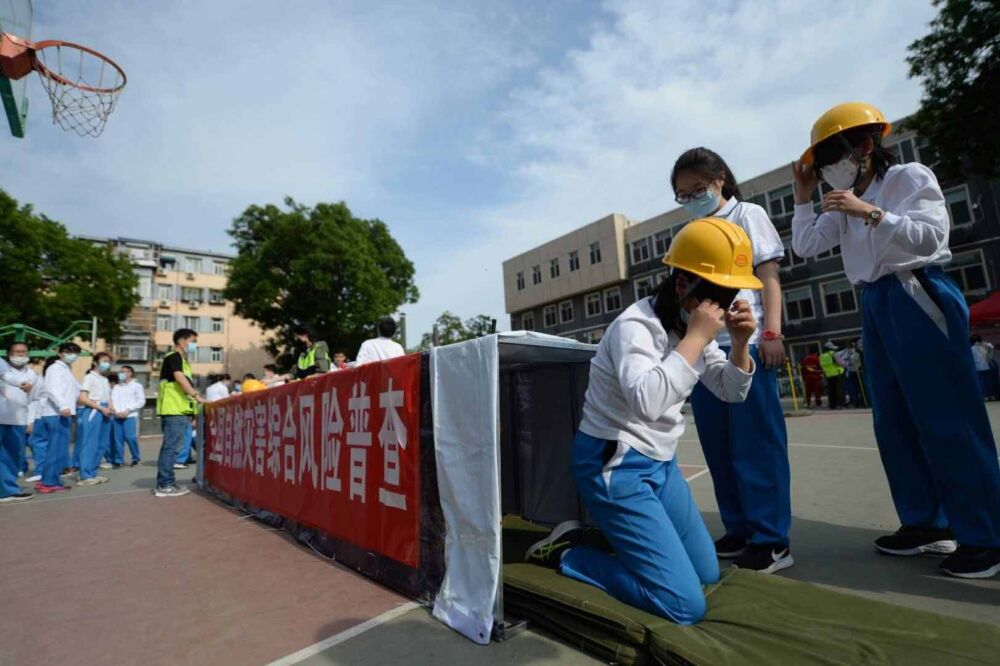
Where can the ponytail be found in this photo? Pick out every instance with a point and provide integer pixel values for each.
(708, 164)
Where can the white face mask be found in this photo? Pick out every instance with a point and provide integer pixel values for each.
(19, 361)
(840, 176)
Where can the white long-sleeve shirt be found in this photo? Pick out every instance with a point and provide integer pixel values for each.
(37, 399)
(378, 349)
(913, 232)
(61, 390)
(128, 397)
(97, 386)
(638, 383)
(14, 406)
(216, 391)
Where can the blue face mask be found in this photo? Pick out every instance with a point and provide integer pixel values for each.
(705, 205)
(104, 366)
(122, 377)
(70, 359)
(192, 347)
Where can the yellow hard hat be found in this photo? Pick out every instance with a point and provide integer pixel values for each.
(716, 250)
(251, 385)
(844, 117)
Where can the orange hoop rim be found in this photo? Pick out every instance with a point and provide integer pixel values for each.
(58, 78)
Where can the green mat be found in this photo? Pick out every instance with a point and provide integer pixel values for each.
(752, 619)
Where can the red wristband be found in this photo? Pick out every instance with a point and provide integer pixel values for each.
(773, 335)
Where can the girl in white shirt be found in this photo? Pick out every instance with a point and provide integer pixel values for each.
(646, 365)
(933, 433)
(57, 413)
(94, 420)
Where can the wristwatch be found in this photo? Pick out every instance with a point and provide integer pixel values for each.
(773, 335)
(875, 216)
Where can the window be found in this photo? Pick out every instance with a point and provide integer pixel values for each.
(969, 271)
(799, 304)
(661, 277)
(554, 268)
(595, 253)
(145, 286)
(959, 210)
(574, 261)
(215, 296)
(191, 322)
(536, 275)
(904, 151)
(219, 268)
(640, 251)
(528, 321)
(790, 260)
(593, 304)
(193, 265)
(131, 351)
(216, 356)
(644, 287)
(802, 349)
(190, 294)
(549, 316)
(165, 292)
(593, 337)
(163, 322)
(216, 326)
(520, 280)
(612, 299)
(782, 205)
(759, 199)
(566, 312)
(838, 297)
(661, 241)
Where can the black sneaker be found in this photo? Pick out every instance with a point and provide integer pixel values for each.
(117, 466)
(765, 557)
(972, 562)
(549, 551)
(917, 541)
(729, 547)
(134, 463)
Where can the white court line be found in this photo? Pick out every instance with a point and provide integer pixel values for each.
(345, 635)
(695, 476)
(809, 446)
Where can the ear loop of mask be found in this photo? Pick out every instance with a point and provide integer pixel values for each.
(862, 163)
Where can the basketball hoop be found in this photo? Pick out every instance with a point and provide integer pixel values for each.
(82, 84)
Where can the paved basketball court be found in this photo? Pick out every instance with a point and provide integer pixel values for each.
(111, 574)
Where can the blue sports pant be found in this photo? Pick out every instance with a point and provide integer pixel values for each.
(58, 430)
(931, 425)
(185, 453)
(81, 432)
(96, 432)
(11, 450)
(746, 448)
(663, 553)
(39, 443)
(124, 431)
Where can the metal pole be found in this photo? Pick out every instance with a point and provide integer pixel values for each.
(93, 334)
(791, 383)
(402, 329)
(861, 385)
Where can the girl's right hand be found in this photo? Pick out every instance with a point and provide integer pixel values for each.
(805, 182)
(706, 321)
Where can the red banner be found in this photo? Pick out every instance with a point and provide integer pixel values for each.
(338, 452)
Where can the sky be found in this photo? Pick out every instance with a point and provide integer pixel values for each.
(475, 130)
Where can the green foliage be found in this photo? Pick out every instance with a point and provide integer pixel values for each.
(321, 267)
(959, 62)
(451, 329)
(48, 279)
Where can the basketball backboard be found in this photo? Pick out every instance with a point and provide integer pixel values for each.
(15, 18)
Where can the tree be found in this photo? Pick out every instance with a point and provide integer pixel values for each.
(450, 330)
(320, 267)
(49, 279)
(959, 62)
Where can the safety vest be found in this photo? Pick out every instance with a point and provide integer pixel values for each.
(307, 359)
(171, 400)
(829, 365)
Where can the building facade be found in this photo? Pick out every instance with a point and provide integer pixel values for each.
(819, 303)
(182, 288)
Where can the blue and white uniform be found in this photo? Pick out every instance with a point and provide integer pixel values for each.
(936, 444)
(14, 412)
(626, 474)
(61, 393)
(96, 427)
(126, 397)
(746, 444)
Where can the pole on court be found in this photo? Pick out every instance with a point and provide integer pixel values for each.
(795, 397)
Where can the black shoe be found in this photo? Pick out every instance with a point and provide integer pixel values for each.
(134, 463)
(117, 466)
(972, 562)
(729, 547)
(917, 541)
(765, 557)
(549, 551)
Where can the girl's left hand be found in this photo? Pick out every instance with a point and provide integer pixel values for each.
(845, 201)
(740, 322)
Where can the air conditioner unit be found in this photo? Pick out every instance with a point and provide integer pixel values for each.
(195, 304)
(164, 303)
(161, 271)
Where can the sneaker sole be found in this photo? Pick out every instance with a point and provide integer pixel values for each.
(986, 573)
(731, 555)
(945, 547)
(556, 534)
(157, 494)
(784, 563)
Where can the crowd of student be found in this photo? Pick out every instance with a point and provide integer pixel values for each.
(41, 406)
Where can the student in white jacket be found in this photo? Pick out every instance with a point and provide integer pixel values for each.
(17, 385)
(57, 412)
(127, 400)
(647, 364)
(381, 348)
(934, 437)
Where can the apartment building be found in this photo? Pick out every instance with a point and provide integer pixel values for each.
(182, 288)
(819, 303)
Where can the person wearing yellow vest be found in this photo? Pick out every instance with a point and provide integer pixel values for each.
(833, 372)
(176, 401)
(314, 359)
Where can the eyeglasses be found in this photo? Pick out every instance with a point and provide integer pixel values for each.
(697, 194)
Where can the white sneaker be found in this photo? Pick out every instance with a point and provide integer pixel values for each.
(180, 466)
(170, 491)
(33, 478)
(105, 465)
